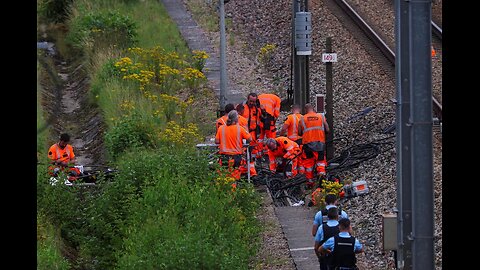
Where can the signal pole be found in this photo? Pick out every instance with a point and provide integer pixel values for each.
(301, 42)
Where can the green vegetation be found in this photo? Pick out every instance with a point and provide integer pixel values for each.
(205, 13)
(41, 137)
(48, 247)
(54, 11)
(95, 29)
(166, 208)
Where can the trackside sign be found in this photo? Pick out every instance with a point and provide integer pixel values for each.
(329, 57)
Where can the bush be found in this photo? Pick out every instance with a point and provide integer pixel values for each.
(102, 30)
(48, 248)
(184, 220)
(128, 132)
(54, 11)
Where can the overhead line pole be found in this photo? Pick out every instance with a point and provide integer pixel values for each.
(421, 133)
(403, 151)
(223, 62)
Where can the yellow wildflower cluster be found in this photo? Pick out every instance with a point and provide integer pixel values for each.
(165, 71)
(180, 135)
(197, 54)
(331, 187)
(267, 49)
(266, 53)
(199, 59)
(224, 179)
(328, 187)
(153, 98)
(123, 62)
(192, 74)
(127, 106)
(192, 77)
(157, 70)
(167, 98)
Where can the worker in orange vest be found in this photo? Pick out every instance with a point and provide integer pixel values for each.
(61, 156)
(313, 127)
(285, 149)
(252, 113)
(270, 106)
(290, 126)
(223, 120)
(230, 137)
(243, 122)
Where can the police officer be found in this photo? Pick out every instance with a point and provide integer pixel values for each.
(324, 232)
(321, 216)
(342, 248)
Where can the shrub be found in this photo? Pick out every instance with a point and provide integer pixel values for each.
(266, 54)
(54, 11)
(48, 248)
(101, 30)
(186, 221)
(128, 132)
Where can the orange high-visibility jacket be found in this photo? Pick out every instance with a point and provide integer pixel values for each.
(271, 103)
(253, 117)
(243, 122)
(221, 121)
(230, 138)
(293, 121)
(312, 127)
(63, 155)
(286, 148)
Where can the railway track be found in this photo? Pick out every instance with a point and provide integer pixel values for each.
(383, 46)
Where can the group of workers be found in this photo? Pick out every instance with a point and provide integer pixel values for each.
(299, 148)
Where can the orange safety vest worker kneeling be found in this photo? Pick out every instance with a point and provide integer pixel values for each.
(287, 150)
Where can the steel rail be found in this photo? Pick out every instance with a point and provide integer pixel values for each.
(382, 46)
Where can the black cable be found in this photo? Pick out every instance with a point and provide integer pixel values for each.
(352, 156)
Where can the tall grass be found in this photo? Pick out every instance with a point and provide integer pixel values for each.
(48, 246)
(156, 27)
(41, 137)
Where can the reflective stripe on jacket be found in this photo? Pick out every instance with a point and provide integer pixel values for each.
(312, 127)
(221, 121)
(293, 120)
(271, 103)
(230, 138)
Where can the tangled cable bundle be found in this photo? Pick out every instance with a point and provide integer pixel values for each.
(285, 191)
(352, 156)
